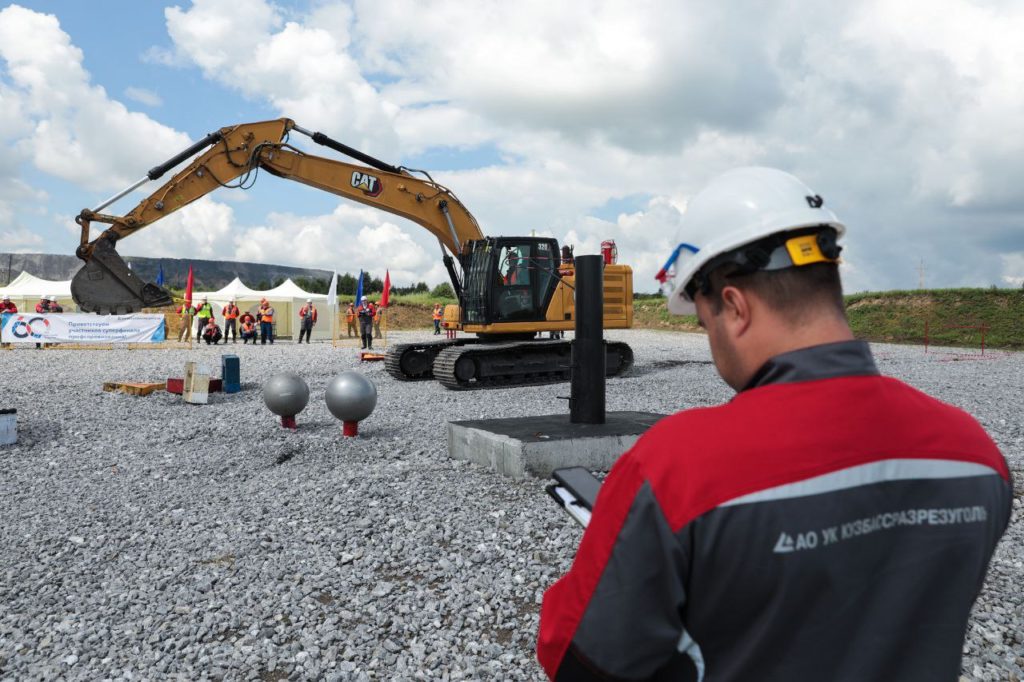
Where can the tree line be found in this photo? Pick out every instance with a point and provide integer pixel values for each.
(347, 285)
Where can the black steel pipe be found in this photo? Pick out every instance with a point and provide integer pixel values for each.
(587, 396)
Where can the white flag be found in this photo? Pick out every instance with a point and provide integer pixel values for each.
(332, 291)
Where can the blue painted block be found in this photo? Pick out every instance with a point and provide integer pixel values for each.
(231, 373)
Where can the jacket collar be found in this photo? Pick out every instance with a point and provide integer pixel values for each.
(827, 361)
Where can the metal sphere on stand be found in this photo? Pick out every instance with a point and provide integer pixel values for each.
(286, 394)
(351, 398)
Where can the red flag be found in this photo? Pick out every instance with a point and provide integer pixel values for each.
(386, 296)
(188, 287)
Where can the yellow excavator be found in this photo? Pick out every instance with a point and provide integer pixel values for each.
(510, 289)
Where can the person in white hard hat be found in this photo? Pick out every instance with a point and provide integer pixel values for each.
(42, 308)
(230, 312)
(307, 318)
(366, 312)
(826, 523)
(203, 313)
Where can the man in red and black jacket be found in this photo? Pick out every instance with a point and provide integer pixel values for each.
(828, 523)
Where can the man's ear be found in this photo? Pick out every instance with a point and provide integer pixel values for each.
(736, 310)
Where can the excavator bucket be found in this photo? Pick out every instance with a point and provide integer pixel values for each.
(107, 286)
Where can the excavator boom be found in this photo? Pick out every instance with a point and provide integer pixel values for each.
(231, 158)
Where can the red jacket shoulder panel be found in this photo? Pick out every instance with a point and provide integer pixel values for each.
(699, 459)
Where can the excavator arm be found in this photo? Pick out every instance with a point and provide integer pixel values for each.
(232, 157)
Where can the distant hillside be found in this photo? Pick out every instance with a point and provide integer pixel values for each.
(209, 274)
(952, 316)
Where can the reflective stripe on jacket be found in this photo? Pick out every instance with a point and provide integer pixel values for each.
(828, 523)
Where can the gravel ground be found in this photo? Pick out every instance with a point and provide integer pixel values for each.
(144, 538)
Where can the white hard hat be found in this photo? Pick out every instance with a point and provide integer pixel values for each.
(364, 298)
(740, 207)
(6, 297)
(309, 300)
(52, 298)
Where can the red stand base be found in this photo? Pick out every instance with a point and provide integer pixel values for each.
(289, 423)
(350, 428)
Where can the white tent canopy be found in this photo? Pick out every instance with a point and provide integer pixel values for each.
(290, 290)
(236, 290)
(27, 288)
(287, 299)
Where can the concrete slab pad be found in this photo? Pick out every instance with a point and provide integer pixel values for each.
(538, 445)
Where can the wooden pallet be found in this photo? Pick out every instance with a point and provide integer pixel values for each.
(370, 356)
(133, 388)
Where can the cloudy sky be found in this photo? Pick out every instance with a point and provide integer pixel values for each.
(581, 120)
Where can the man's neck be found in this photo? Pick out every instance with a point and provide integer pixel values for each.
(780, 338)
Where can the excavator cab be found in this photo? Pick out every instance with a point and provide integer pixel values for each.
(509, 279)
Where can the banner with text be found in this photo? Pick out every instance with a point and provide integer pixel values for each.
(74, 328)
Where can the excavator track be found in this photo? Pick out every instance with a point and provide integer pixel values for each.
(415, 361)
(525, 363)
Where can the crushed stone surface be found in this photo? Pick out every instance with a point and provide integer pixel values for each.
(146, 538)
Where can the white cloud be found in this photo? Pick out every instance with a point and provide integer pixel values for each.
(907, 122)
(79, 134)
(143, 96)
(203, 229)
(349, 239)
(302, 70)
(1013, 269)
(892, 119)
(20, 240)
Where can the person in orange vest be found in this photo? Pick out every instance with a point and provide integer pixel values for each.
(307, 314)
(185, 310)
(230, 313)
(512, 274)
(211, 333)
(350, 318)
(266, 315)
(7, 306)
(366, 312)
(438, 314)
(376, 322)
(248, 328)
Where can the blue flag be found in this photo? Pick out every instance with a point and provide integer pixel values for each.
(359, 289)
(160, 276)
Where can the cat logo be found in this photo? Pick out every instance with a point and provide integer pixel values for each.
(370, 185)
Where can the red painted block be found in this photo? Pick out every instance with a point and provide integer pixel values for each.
(177, 386)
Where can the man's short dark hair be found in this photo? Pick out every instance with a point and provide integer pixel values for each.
(794, 292)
